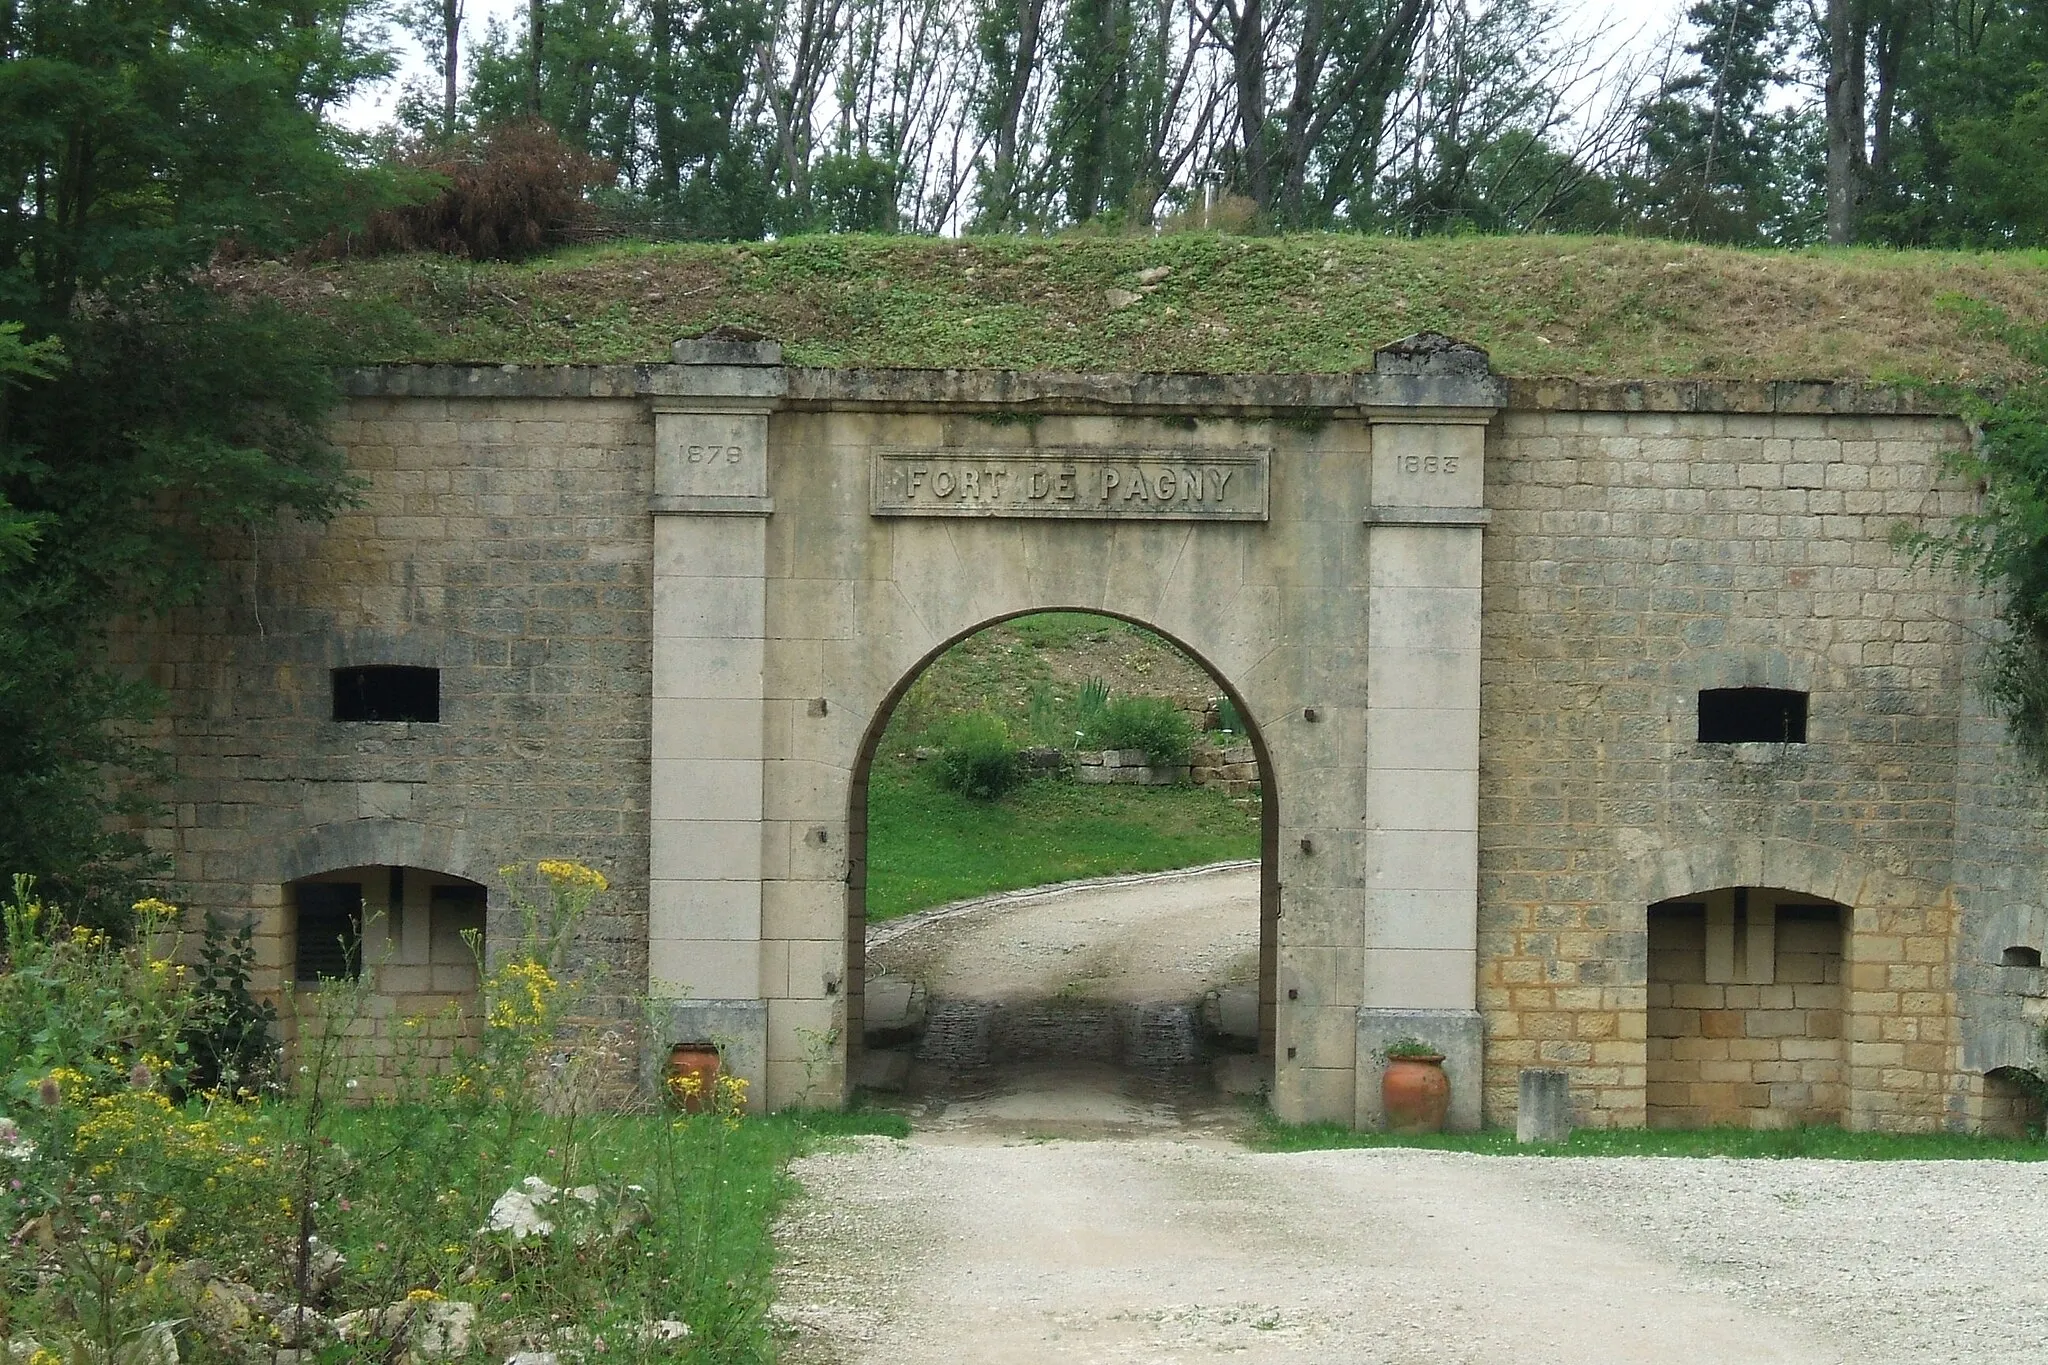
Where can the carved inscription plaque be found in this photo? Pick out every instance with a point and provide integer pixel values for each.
(1135, 485)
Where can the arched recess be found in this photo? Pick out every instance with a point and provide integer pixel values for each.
(1744, 1010)
(857, 828)
(412, 936)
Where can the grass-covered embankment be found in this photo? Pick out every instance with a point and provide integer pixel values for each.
(1315, 302)
(927, 846)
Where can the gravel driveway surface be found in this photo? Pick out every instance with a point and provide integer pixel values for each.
(961, 1247)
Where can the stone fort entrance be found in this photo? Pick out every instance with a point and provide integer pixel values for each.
(1603, 725)
(1326, 573)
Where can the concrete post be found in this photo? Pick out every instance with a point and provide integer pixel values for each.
(1429, 401)
(711, 509)
(1544, 1110)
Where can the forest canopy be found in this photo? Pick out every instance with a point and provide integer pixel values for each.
(1758, 122)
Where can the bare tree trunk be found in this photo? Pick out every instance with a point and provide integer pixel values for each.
(1848, 163)
(1248, 69)
(451, 28)
(536, 30)
(1893, 37)
(1003, 173)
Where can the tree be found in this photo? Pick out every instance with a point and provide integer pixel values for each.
(1952, 151)
(1341, 62)
(1007, 38)
(143, 417)
(1720, 164)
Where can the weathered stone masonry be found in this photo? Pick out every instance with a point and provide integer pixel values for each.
(637, 663)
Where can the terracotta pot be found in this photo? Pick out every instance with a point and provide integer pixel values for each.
(1416, 1094)
(692, 1076)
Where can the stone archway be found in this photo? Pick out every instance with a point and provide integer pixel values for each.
(855, 978)
(815, 542)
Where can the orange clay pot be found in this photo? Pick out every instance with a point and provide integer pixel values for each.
(1416, 1094)
(692, 1076)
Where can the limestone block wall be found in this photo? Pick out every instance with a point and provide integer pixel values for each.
(504, 541)
(1635, 558)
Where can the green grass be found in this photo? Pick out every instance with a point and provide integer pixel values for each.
(1834, 1144)
(707, 1257)
(928, 846)
(1313, 302)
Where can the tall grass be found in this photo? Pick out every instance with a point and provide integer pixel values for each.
(143, 1211)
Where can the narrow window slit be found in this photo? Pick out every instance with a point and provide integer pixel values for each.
(1752, 715)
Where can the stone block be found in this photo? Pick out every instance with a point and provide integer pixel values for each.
(1543, 1110)
(738, 1028)
(1457, 1033)
(1420, 978)
(709, 969)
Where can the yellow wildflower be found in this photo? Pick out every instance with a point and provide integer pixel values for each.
(421, 1296)
(563, 872)
(150, 908)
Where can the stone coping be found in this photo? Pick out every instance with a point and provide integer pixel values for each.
(797, 387)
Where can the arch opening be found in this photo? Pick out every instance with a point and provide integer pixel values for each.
(1744, 1010)
(412, 940)
(1172, 993)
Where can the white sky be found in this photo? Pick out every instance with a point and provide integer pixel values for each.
(1626, 22)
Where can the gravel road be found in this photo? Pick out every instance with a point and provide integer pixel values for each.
(960, 1246)
(1166, 937)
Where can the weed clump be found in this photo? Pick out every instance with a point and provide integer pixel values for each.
(504, 194)
(978, 759)
(1153, 724)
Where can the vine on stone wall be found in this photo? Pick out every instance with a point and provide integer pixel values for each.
(2004, 543)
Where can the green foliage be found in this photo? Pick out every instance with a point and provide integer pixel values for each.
(113, 1183)
(928, 845)
(1624, 307)
(230, 1041)
(144, 419)
(1963, 158)
(1153, 724)
(2004, 543)
(1409, 1047)
(660, 91)
(75, 1001)
(978, 758)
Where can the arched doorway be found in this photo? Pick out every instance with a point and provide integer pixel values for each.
(1745, 1010)
(859, 827)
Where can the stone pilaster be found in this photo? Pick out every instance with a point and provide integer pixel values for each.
(711, 510)
(1429, 402)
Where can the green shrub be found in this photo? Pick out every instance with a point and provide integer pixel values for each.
(978, 759)
(1153, 724)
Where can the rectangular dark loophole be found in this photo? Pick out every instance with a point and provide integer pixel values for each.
(1752, 715)
(330, 932)
(387, 692)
